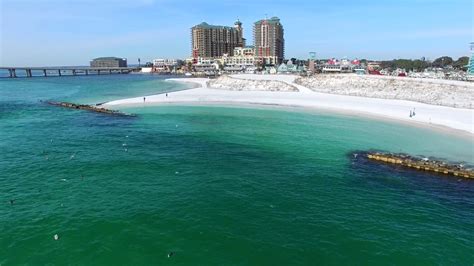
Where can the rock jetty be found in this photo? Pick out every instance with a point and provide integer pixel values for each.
(87, 107)
(420, 164)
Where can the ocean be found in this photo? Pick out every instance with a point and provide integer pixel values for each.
(217, 185)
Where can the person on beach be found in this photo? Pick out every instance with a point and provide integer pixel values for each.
(413, 111)
(144, 99)
(410, 114)
(167, 95)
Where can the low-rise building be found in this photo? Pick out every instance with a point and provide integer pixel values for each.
(290, 68)
(234, 69)
(206, 68)
(166, 65)
(373, 65)
(108, 62)
(340, 66)
(243, 56)
(470, 67)
(166, 62)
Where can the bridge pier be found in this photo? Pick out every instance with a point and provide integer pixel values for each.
(12, 72)
(66, 71)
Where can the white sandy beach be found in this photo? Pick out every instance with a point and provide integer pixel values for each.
(449, 93)
(241, 91)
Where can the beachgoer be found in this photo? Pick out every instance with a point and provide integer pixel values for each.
(413, 111)
(167, 95)
(144, 99)
(410, 114)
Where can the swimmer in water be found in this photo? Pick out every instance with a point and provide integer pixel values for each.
(170, 254)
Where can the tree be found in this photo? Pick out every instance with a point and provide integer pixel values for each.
(420, 65)
(461, 63)
(407, 64)
(388, 64)
(190, 66)
(443, 61)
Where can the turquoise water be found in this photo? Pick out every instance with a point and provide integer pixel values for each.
(217, 185)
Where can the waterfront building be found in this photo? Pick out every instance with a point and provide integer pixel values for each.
(167, 62)
(360, 70)
(269, 41)
(470, 69)
(166, 65)
(243, 56)
(212, 41)
(234, 69)
(269, 69)
(206, 69)
(282, 68)
(290, 68)
(312, 62)
(373, 65)
(207, 61)
(340, 66)
(108, 62)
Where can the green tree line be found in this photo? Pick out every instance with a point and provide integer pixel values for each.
(421, 64)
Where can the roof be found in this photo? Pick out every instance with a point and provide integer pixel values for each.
(108, 58)
(208, 26)
(273, 20)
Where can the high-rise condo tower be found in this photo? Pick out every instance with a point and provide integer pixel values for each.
(212, 41)
(269, 41)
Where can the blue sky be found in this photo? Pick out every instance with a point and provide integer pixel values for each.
(71, 32)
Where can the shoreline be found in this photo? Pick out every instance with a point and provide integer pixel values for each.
(457, 121)
(313, 111)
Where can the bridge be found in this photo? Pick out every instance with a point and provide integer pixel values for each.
(66, 71)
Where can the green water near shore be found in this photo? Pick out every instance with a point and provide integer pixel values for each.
(217, 185)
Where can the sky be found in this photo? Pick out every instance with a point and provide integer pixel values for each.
(72, 32)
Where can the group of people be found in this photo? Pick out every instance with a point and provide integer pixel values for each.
(144, 98)
(412, 112)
